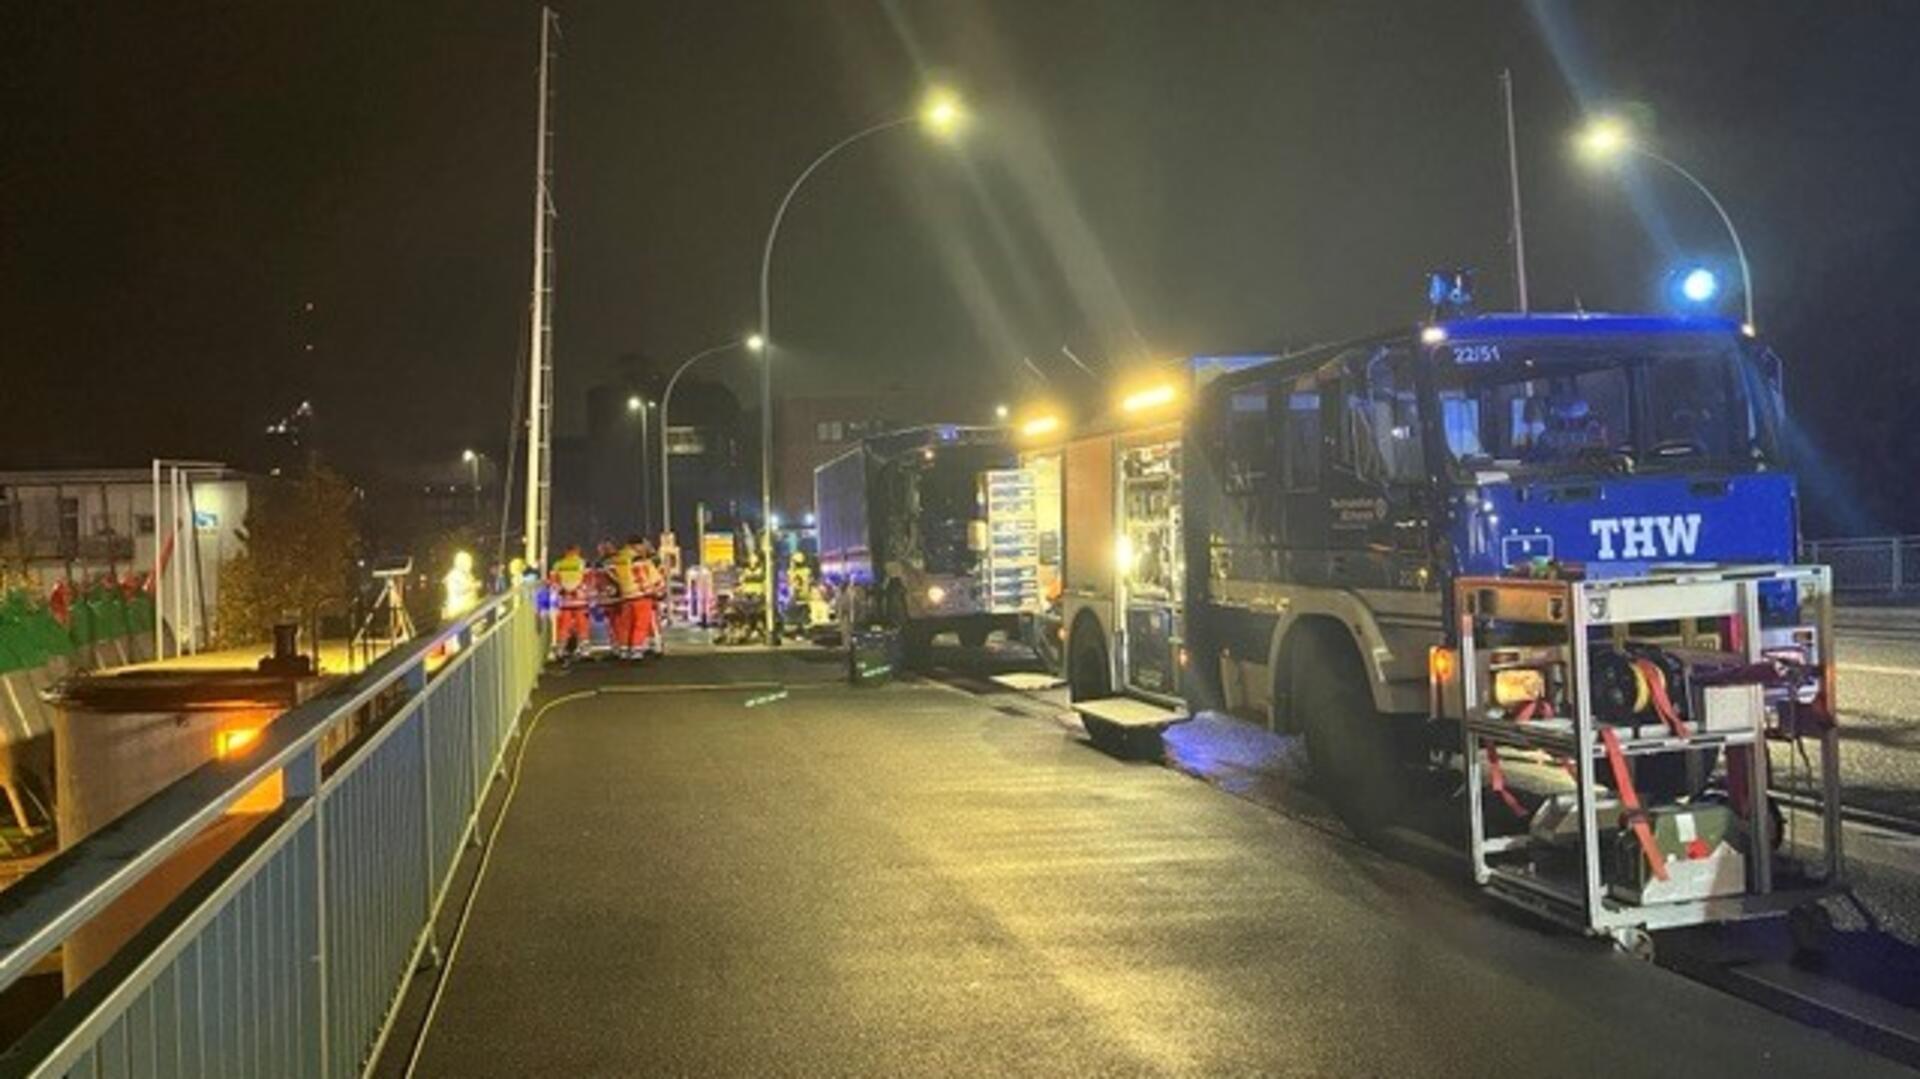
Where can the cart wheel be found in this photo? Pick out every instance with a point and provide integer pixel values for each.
(1811, 926)
(1636, 942)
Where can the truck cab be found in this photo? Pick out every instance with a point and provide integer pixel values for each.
(903, 524)
(1618, 444)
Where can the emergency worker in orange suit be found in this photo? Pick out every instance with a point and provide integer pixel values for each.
(650, 589)
(621, 566)
(571, 626)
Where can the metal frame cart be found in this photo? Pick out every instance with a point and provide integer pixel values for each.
(1548, 625)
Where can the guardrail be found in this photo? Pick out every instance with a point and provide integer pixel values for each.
(288, 956)
(1873, 565)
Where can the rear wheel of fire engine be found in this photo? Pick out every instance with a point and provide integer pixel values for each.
(1089, 676)
(974, 637)
(1355, 757)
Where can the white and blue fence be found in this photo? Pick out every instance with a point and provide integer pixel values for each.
(289, 954)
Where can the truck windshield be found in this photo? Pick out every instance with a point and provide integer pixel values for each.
(1626, 403)
(948, 502)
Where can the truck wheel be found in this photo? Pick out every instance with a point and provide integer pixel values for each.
(1355, 758)
(1089, 676)
(974, 638)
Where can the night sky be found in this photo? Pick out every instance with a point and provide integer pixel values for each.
(178, 182)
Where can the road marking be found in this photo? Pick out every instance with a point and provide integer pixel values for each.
(1874, 668)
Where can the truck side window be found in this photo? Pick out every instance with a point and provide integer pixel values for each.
(1393, 415)
(1378, 439)
(1302, 436)
(1248, 436)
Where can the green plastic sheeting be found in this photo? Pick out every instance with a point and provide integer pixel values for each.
(29, 635)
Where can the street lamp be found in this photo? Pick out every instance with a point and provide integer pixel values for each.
(472, 458)
(753, 343)
(1607, 138)
(942, 116)
(640, 405)
(1000, 413)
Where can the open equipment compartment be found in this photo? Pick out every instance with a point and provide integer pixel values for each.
(1715, 662)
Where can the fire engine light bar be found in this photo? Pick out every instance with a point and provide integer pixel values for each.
(1040, 425)
(1151, 397)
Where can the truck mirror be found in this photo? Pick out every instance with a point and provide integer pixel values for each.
(1772, 371)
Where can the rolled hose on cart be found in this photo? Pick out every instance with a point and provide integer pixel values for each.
(1643, 685)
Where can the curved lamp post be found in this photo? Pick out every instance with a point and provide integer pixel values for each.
(942, 116)
(472, 459)
(1608, 138)
(754, 343)
(639, 405)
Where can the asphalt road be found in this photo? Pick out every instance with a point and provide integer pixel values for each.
(1879, 691)
(909, 879)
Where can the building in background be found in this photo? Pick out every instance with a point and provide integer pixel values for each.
(607, 482)
(81, 525)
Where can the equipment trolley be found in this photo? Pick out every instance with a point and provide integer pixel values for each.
(1650, 701)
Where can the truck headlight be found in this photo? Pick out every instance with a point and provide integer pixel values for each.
(936, 595)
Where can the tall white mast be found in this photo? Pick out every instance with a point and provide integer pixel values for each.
(1513, 196)
(540, 343)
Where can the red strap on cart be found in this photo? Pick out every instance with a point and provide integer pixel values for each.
(1738, 792)
(1497, 779)
(1631, 812)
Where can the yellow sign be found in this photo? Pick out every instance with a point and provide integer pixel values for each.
(716, 549)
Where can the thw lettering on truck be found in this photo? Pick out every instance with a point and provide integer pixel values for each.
(1660, 535)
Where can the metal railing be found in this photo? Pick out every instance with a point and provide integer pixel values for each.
(1874, 565)
(289, 955)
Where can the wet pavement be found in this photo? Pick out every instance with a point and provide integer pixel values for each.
(735, 864)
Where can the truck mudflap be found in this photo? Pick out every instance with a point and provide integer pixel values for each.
(1127, 727)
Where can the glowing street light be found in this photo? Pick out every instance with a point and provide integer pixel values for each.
(941, 115)
(1000, 412)
(1603, 138)
(1607, 138)
(472, 459)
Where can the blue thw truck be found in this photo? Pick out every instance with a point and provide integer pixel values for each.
(1287, 538)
